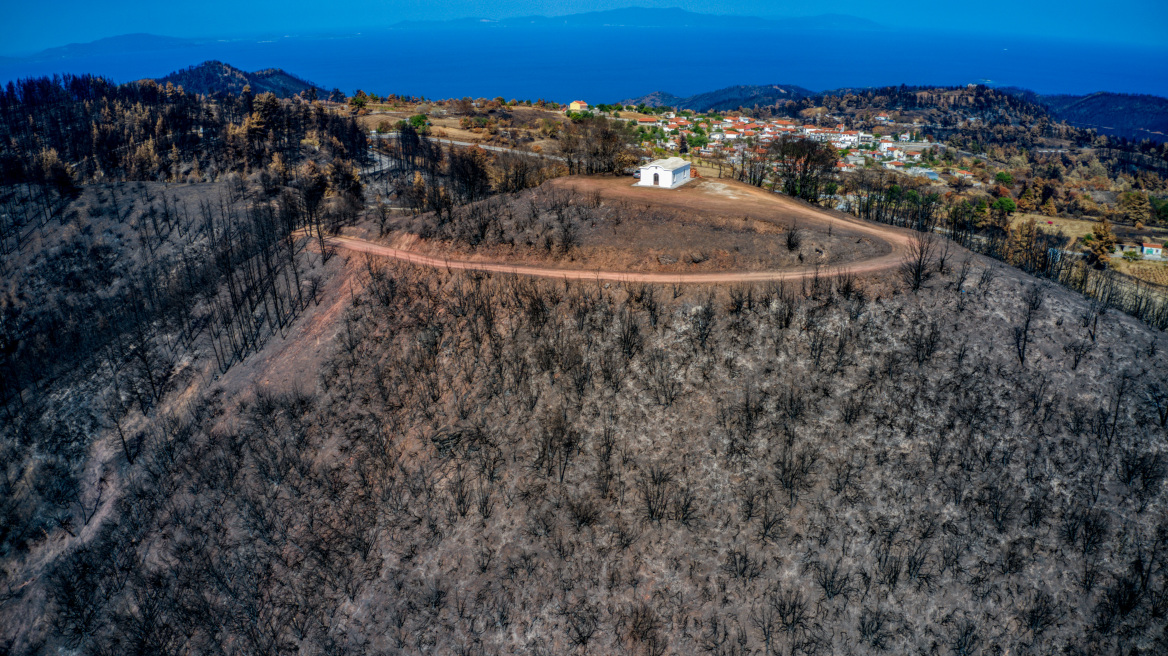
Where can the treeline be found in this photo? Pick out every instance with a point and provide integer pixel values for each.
(985, 227)
(598, 145)
(425, 175)
(495, 463)
(143, 131)
(979, 100)
(878, 195)
(798, 167)
(1134, 116)
(546, 218)
(593, 145)
(1122, 155)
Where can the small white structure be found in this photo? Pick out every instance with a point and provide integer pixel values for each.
(669, 173)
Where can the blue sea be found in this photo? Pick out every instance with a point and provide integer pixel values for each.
(613, 63)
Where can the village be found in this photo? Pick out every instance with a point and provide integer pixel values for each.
(718, 138)
(682, 141)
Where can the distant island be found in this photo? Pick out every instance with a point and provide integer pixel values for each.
(110, 45)
(659, 18)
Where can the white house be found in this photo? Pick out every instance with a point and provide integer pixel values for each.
(668, 173)
(1153, 250)
(848, 138)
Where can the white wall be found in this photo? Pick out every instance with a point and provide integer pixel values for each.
(666, 179)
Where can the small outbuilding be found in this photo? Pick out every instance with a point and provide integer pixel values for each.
(669, 173)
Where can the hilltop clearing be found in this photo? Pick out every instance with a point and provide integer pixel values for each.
(591, 223)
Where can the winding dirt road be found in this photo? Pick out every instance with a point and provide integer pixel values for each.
(897, 239)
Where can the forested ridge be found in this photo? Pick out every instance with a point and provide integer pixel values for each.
(146, 131)
(1133, 116)
(92, 245)
(790, 97)
(216, 77)
(1119, 115)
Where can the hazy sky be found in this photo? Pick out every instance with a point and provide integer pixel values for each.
(29, 26)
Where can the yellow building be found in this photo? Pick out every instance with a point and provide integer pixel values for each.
(577, 106)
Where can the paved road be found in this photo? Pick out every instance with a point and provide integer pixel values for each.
(897, 238)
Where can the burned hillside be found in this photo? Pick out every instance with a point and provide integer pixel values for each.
(490, 463)
(928, 452)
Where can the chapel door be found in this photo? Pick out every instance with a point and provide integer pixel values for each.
(656, 179)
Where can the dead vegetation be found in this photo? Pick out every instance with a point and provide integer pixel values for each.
(490, 464)
(591, 222)
(962, 459)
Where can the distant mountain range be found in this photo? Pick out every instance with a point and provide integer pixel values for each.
(213, 77)
(111, 45)
(663, 18)
(1113, 114)
(132, 56)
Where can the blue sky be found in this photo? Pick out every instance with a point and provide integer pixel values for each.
(31, 26)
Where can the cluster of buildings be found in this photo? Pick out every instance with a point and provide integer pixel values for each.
(732, 129)
(730, 136)
(1144, 249)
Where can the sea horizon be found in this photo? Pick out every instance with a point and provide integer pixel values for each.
(602, 64)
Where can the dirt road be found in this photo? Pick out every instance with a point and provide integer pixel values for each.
(720, 192)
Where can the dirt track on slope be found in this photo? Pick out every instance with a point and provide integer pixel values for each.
(702, 193)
